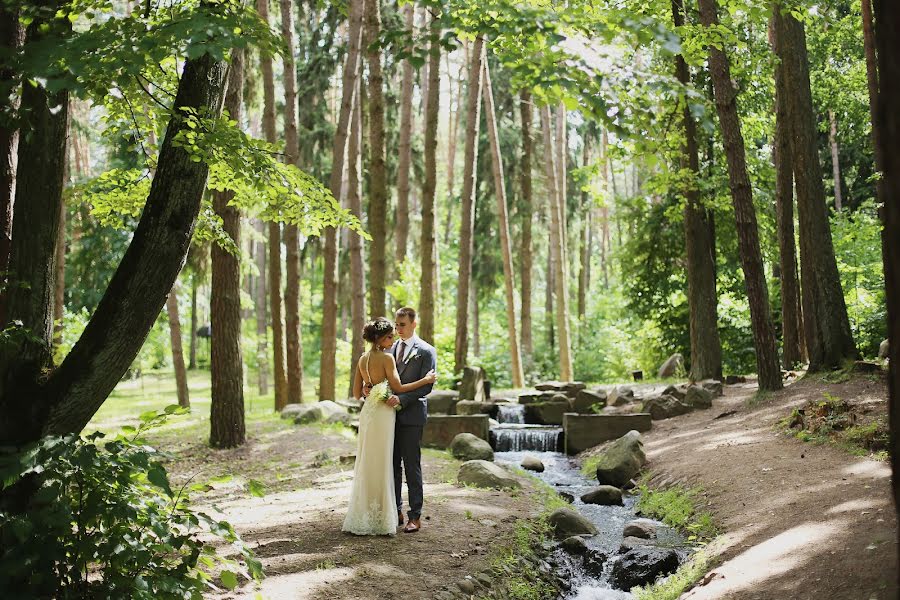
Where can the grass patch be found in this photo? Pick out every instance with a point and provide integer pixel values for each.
(677, 508)
(673, 586)
(589, 466)
(757, 398)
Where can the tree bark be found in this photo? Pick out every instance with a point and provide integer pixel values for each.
(829, 340)
(377, 175)
(259, 298)
(791, 329)
(745, 214)
(181, 384)
(887, 15)
(467, 205)
(357, 260)
(527, 263)
(428, 247)
(605, 241)
(518, 379)
(872, 80)
(279, 370)
(584, 254)
(293, 335)
(835, 160)
(192, 352)
(557, 239)
(59, 289)
(706, 348)
(401, 228)
(11, 37)
(327, 369)
(137, 291)
(226, 413)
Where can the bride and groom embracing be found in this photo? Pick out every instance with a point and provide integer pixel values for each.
(394, 377)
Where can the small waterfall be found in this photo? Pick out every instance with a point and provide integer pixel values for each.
(511, 413)
(516, 438)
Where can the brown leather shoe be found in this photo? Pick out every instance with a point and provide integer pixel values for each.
(399, 518)
(413, 526)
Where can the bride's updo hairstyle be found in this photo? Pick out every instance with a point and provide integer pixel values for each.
(375, 330)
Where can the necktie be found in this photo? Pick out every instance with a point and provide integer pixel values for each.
(401, 352)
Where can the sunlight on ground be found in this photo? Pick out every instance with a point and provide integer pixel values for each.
(869, 469)
(775, 556)
(855, 505)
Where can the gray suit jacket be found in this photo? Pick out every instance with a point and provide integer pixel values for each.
(421, 358)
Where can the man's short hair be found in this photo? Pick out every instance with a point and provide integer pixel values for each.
(406, 311)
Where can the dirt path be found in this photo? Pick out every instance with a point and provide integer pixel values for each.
(295, 529)
(803, 521)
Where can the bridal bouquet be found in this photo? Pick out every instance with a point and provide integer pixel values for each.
(381, 392)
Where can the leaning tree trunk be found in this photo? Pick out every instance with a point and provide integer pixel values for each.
(706, 348)
(401, 225)
(11, 37)
(357, 261)
(527, 262)
(428, 246)
(181, 384)
(467, 206)
(791, 331)
(330, 275)
(377, 175)
(226, 412)
(887, 15)
(279, 367)
(829, 340)
(293, 335)
(518, 379)
(745, 214)
(137, 290)
(259, 303)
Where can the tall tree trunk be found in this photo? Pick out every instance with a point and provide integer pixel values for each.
(293, 335)
(11, 37)
(262, 334)
(835, 160)
(453, 135)
(279, 366)
(887, 15)
(829, 340)
(428, 248)
(192, 352)
(527, 263)
(584, 254)
(605, 241)
(550, 277)
(401, 228)
(791, 329)
(476, 327)
(357, 261)
(557, 240)
(872, 80)
(327, 369)
(742, 198)
(706, 348)
(377, 176)
(518, 379)
(467, 205)
(226, 412)
(59, 290)
(181, 384)
(137, 290)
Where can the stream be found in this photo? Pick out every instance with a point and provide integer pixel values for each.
(513, 440)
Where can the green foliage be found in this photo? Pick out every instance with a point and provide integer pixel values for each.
(677, 507)
(104, 521)
(673, 586)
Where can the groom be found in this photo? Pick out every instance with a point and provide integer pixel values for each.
(414, 359)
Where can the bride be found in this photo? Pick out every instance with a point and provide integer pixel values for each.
(373, 506)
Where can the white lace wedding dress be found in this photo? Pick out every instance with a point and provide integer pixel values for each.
(373, 505)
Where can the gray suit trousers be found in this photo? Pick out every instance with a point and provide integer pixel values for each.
(407, 450)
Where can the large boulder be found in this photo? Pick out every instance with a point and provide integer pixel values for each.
(473, 407)
(677, 392)
(644, 529)
(351, 405)
(665, 407)
(884, 349)
(482, 473)
(620, 396)
(291, 411)
(325, 411)
(606, 495)
(671, 365)
(643, 565)
(567, 522)
(442, 402)
(698, 397)
(622, 460)
(585, 400)
(472, 385)
(466, 446)
(546, 413)
(713, 386)
(574, 545)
